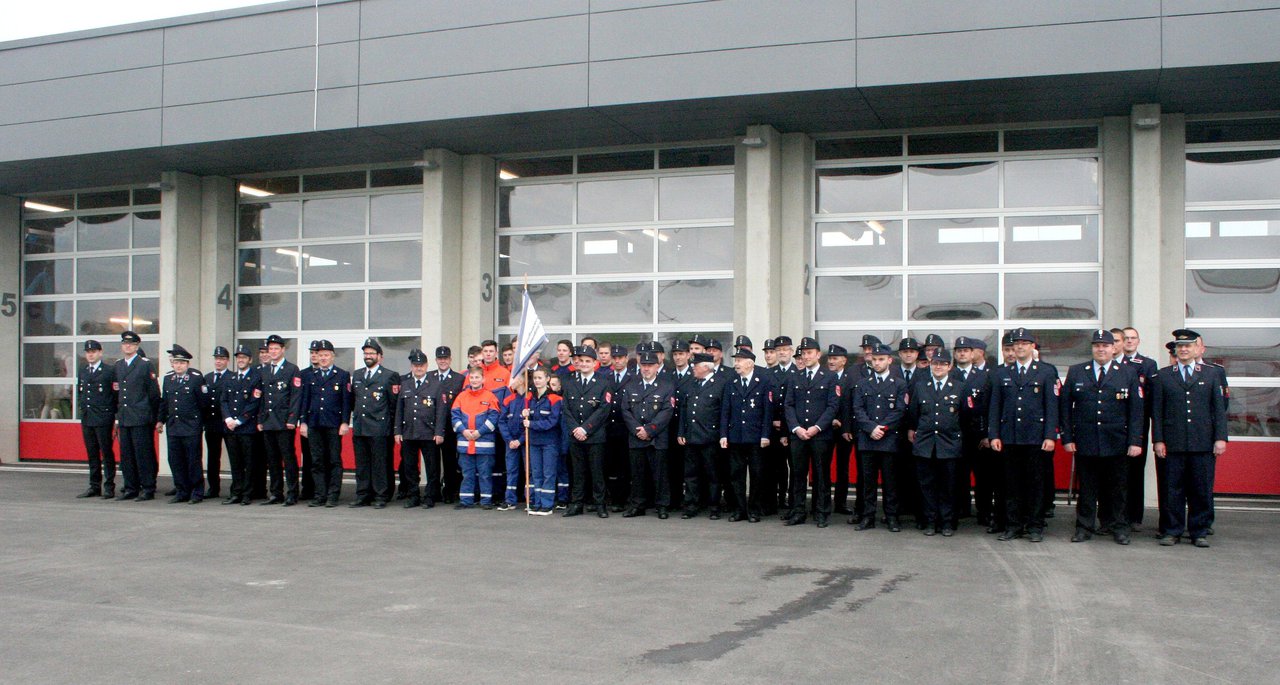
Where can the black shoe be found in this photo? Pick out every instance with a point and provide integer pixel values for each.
(212, 494)
(273, 500)
(108, 491)
(602, 511)
(617, 508)
(290, 501)
(379, 505)
(91, 492)
(843, 511)
(689, 513)
(245, 501)
(1209, 531)
(1035, 535)
(1200, 542)
(754, 518)
(316, 503)
(126, 495)
(176, 499)
(894, 526)
(195, 500)
(1105, 530)
(171, 492)
(402, 495)
(428, 503)
(1009, 534)
(632, 513)
(995, 528)
(795, 521)
(575, 510)
(865, 524)
(921, 525)
(333, 502)
(358, 504)
(1122, 538)
(735, 517)
(1168, 540)
(488, 507)
(714, 515)
(1081, 536)
(948, 531)
(929, 531)
(662, 513)
(823, 521)
(231, 500)
(146, 496)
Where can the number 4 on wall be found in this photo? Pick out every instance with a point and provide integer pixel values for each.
(224, 296)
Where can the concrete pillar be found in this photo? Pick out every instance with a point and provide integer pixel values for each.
(478, 287)
(10, 316)
(1173, 230)
(795, 270)
(441, 250)
(217, 266)
(1116, 231)
(757, 234)
(180, 276)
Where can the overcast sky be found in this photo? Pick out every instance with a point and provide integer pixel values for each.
(28, 18)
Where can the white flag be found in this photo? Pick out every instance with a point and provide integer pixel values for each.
(531, 337)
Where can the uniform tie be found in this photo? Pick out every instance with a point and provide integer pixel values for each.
(937, 386)
(1186, 373)
(1102, 373)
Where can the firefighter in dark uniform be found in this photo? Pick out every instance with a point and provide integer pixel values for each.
(420, 428)
(746, 426)
(324, 415)
(374, 391)
(137, 401)
(307, 474)
(258, 461)
(616, 464)
(704, 472)
(812, 400)
(587, 403)
(1146, 368)
(778, 456)
(910, 500)
(240, 399)
(1101, 416)
(937, 405)
(845, 438)
(95, 385)
(183, 399)
(278, 419)
(1188, 431)
(1022, 424)
(647, 405)
(681, 378)
(445, 384)
(214, 430)
(977, 459)
(879, 405)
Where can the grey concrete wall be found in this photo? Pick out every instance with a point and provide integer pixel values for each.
(1116, 227)
(294, 68)
(10, 354)
(217, 264)
(441, 245)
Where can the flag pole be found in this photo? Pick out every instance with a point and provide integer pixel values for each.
(528, 475)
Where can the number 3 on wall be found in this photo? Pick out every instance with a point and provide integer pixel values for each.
(486, 289)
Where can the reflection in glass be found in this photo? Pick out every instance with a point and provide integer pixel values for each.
(1233, 293)
(952, 297)
(539, 166)
(695, 197)
(334, 263)
(102, 275)
(615, 302)
(859, 298)
(949, 335)
(602, 252)
(397, 213)
(1244, 351)
(146, 196)
(1051, 295)
(49, 235)
(102, 317)
(960, 185)
(552, 301)
(48, 318)
(269, 221)
(535, 205)
(853, 148)
(333, 217)
(146, 229)
(1074, 138)
(338, 180)
(102, 199)
(859, 243)
(545, 254)
(395, 308)
(146, 272)
(395, 352)
(695, 249)
(146, 315)
(400, 260)
(952, 143)
(267, 312)
(48, 360)
(52, 277)
(46, 401)
(1040, 239)
(851, 340)
(861, 189)
(333, 310)
(404, 176)
(1051, 183)
(621, 200)
(103, 232)
(683, 158)
(1234, 234)
(639, 160)
(1063, 347)
(269, 266)
(1254, 412)
(953, 241)
(1228, 176)
(694, 301)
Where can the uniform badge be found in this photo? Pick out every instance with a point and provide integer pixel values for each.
(1036, 390)
(970, 402)
(115, 386)
(608, 396)
(837, 390)
(673, 401)
(1140, 392)
(1226, 392)
(377, 395)
(906, 398)
(257, 392)
(335, 387)
(297, 381)
(427, 402)
(395, 390)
